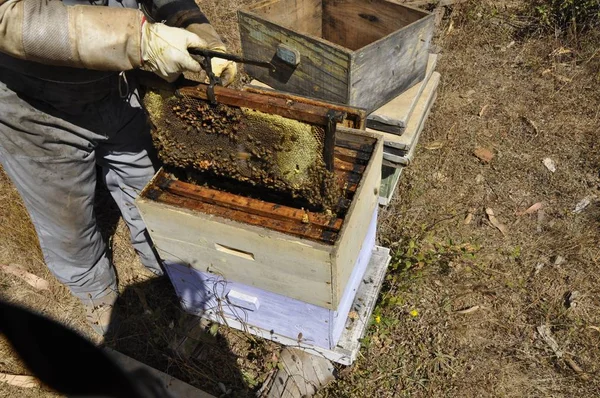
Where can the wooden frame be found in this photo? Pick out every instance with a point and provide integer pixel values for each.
(346, 51)
(355, 117)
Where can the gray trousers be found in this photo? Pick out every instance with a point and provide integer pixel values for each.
(52, 136)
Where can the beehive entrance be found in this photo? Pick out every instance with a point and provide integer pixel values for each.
(267, 151)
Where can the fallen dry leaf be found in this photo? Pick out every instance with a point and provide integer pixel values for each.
(468, 219)
(531, 209)
(550, 164)
(468, 94)
(470, 215)
(434, 145)
(561, 51)
(538, 268)
(559, 260)
(583, 203)
(482, 111)
(573, 365)
(20, 381)
(541, 217)
(468, 310)
(494, 221)
(27, 277)
(546, 335)
(439, 177)
(483, 154)
(562, 79)
(353, 315)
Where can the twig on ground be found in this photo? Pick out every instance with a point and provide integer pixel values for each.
(576, 368)
(469, 310)
(494, 221)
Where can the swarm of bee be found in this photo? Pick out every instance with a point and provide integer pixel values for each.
(247, 145)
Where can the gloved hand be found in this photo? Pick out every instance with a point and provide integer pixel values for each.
(165, 50)
(222, 68)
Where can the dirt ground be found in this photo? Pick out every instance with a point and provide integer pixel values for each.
(468, 295)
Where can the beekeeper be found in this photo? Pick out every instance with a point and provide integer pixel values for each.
(67, 105)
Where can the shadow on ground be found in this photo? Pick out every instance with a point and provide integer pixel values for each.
(149, 325)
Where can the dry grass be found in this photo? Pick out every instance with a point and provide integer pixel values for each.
(541, 100)
(530, 113)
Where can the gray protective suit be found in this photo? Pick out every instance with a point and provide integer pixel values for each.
(52, 136)
(58, 122)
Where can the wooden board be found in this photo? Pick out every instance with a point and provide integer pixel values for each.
(348, 346)
(176, 387)
(364, 304)
(299, 222)
(424, 103)
(397, 157)
(400, 152)
(301, 375)
(393, 116)
(389, 182)
(394, 157)
(312, 113)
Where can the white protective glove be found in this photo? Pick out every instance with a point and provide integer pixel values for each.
(222, 68)
(165, 50)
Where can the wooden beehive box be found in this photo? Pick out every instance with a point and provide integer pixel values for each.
(357, 52)
(270, 315)
(302, 255)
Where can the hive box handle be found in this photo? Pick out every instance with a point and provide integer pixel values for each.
(289, 55)
(234, 252)
(243, 300)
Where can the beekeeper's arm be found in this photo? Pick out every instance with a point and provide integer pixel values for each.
(92, 37)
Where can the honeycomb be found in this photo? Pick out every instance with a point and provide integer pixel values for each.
(263, 150)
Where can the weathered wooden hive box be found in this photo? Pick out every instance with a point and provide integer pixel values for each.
(357, 52)
(296, 253)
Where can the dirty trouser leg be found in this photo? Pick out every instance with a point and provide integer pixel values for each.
(127, 168)
(52, 163)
